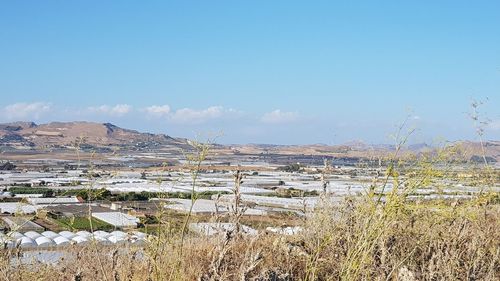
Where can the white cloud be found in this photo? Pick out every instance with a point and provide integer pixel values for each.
(117, 110)
(277, 116)
(189, 115)
(158, 110)
(121, 109)
(26, 110)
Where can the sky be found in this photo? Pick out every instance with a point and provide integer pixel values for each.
(282, 72)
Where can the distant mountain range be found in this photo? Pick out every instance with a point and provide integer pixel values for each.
(106, 137)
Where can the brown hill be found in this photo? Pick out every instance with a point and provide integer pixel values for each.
(67, 134)
(107, 137)
(470, 150)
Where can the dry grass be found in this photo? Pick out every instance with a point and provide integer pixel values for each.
(452, 242)
(369, 237)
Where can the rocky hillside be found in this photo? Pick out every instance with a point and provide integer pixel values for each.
(28, 135)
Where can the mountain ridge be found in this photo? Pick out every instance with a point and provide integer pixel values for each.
(65, 134)
(107, 136)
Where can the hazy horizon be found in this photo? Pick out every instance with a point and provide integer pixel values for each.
(280, 72)
(218, 137)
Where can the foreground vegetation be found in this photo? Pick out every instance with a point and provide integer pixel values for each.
(380, 235)
(404, 242)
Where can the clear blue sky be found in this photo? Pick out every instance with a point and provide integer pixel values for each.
(259, 71)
